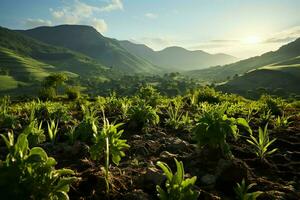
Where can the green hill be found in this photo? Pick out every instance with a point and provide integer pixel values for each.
(61, 58)
(88, 41)
(25, 61)
(222, 73)
(178, 58)
(282, 78)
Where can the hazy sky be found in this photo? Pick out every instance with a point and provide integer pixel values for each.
(242, 28)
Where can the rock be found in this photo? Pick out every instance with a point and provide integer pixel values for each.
(166, 154)
(230, 172)
(136, 137)
(138, 148)
(137, 195)
(167, 157)
(153, 146)
(175, 144)
(208, 180)
(150, 179)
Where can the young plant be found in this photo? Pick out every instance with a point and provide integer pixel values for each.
(177, 187)
(262, 144)
(34, 132)
(213, 128)
(52, 130)
(282, 122)
(84, 131)
(30, 174)
(108, 141)
(265, 117)
(174, 116)
(142, 115)
(241, 191)
(6, 119)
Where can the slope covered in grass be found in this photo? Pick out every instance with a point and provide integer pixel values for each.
(286, 53)
(282, 79)
(60, 58)
(88, 41)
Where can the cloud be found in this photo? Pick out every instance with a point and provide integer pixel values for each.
(73, 13)
(78, 12)
(99, 24)
(284, 36)
(151, 15)
(114, 5)
(31, 23)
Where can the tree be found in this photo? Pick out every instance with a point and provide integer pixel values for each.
(55, 80)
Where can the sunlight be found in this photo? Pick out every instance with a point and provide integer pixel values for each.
(252, 40)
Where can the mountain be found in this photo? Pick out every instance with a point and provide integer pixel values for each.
(26, 61)
(222, 73)
(177, 58)
(86, 40)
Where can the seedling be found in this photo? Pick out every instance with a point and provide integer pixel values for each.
(261, 145)
(177, 187)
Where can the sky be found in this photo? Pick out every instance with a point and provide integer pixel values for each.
(242, 28)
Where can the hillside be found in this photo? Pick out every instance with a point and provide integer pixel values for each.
(25, 61)
(181, 59)
(282, 78)
(61, 58)
(88, 41)
(222, 73)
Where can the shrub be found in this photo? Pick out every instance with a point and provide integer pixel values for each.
(209, 95)
(273, 104)
(73, 92)
(47, 93)
(84, 131)
(30, 174)
(142, 115)
(149, 94)
(213, 128)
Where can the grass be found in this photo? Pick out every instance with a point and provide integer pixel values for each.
(23, 68)
(7, 83)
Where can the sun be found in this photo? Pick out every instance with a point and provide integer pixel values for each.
(252, 40)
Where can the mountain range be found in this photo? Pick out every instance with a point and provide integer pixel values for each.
(182, 59)
(27, 56)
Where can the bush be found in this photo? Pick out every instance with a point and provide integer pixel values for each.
(208, 95)
(142, 115)
(213, 128)
(47, 93)
(73, 92)
(30, 174)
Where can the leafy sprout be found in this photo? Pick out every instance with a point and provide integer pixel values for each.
(261, 145)
(108, 141)
(241, 191)
(177, 187)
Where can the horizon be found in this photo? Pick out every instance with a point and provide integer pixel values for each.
(247, 31)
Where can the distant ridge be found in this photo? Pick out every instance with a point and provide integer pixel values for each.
(177, 58)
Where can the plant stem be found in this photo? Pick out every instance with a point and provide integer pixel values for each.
(107, 165)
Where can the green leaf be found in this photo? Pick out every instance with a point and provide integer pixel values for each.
(40, 152)
(63, 184)
(166, 170)
(244, 123)
(21, 145)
